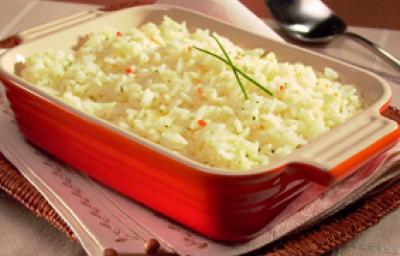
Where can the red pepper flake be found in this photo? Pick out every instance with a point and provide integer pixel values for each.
(201, 123)
(118, 33)
(129, 70)
(282, 88)
(199, 90)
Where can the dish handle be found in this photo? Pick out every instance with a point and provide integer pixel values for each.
(47, 28)
(350, 147)
(64, 22)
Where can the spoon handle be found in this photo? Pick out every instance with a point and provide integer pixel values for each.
(383, 53)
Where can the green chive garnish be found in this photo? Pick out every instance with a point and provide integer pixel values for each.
(238, 70)
(231, 64)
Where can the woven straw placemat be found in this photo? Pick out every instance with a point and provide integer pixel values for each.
(317, 240)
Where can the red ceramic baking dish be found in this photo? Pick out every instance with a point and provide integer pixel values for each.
(221, 204)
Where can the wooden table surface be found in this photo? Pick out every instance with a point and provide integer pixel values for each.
(366, 13)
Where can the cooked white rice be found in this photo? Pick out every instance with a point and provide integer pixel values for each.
(152, 82)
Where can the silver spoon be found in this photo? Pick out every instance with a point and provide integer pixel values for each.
(313, 21)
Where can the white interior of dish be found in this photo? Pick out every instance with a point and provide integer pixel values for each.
(65, 33)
